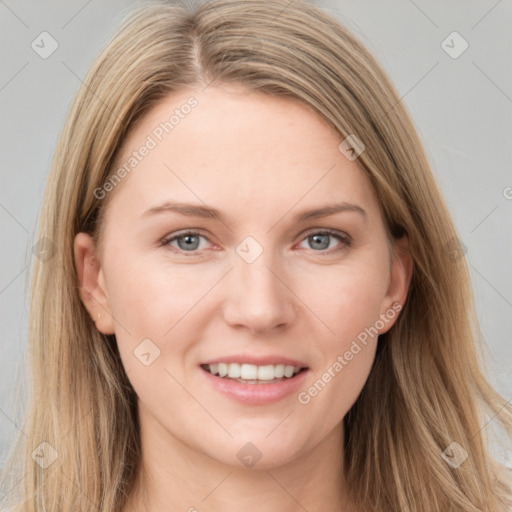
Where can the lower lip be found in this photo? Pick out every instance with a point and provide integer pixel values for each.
(256, 394)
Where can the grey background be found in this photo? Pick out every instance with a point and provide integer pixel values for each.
(461, 108)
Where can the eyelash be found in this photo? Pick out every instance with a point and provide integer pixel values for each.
(342, 237)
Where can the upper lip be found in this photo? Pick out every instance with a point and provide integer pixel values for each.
(256, 360)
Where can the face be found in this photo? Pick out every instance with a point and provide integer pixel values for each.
(218, 247)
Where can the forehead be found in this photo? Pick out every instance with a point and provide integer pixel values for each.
(228, 146)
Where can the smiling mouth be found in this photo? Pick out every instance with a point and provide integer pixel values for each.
(253, 374)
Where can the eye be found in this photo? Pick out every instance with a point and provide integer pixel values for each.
(187, 241)
(321, 240)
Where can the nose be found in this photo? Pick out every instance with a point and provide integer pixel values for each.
(258, 296)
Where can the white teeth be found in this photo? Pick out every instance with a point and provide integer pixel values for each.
(279, 371)
(289, 371)
(248, 371)
(234, 371)
(266, 372)
(223, 369)
(252, 372)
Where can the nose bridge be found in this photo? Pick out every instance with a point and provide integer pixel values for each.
(257, 297)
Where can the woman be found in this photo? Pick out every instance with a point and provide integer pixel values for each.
(253, 299)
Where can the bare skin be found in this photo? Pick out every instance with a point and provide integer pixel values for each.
(260, 160)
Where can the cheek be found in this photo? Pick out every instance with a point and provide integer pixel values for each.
(348, 298)
(331, 392)
(158, 309)
(153, 296)
(152, 302)
(351, 309)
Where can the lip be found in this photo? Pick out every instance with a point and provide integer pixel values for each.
(255, 394)
(257, 360)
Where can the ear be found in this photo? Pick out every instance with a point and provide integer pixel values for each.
(93, 291)
(400, 279)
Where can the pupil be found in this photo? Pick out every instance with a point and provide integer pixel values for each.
(188, 242)
(325, 236)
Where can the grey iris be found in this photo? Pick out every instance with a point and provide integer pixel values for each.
(192, 246)
(318, 236)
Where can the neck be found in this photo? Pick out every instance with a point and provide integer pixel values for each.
(173, 476)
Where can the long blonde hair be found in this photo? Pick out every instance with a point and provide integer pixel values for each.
(427, 387)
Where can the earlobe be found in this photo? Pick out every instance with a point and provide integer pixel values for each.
(400, 279)
(92, 288)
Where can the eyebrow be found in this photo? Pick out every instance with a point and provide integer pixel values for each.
(196, 210)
